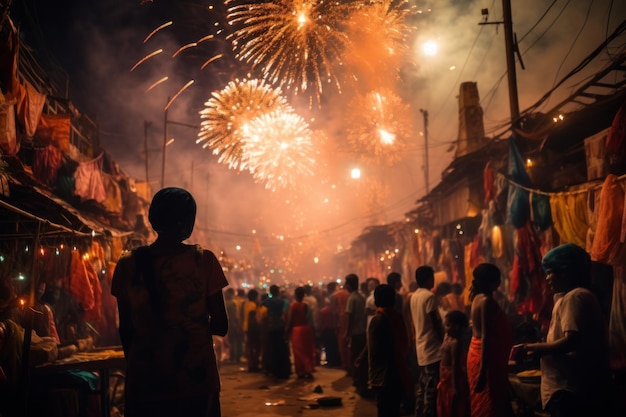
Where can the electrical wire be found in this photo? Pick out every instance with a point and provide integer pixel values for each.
(573, 42)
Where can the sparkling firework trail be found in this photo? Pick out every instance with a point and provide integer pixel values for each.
(278, 149)
(164, 25)
(145, 58)
(228, 110)
(296, 44)
(169, 103)
(162, 80)
(379, 127)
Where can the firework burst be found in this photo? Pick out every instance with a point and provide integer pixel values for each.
(380, 126)
(229, 110)
(295, 43)
(277, 149)
(379, 33)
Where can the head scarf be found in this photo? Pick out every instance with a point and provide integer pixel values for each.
(173, 213)
(566, 257)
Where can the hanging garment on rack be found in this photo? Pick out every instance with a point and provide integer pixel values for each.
(88, 177)
(46, 164)
(606, 245)
(54, 128)
(569, 214)
(29, 105)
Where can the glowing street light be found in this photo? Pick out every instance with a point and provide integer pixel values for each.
(355, 173)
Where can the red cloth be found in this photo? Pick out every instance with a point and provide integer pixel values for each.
(301, 339)
(495, 399)
(46, 164)
(527, 277)
(447, 406)
(489, 183)
(55, 129)
(400, 344)
(80, 284)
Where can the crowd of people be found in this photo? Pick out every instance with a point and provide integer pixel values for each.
(418, 349)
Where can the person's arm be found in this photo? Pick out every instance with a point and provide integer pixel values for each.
(125, 329)
(349, 319)
(454, 365)
(217, 314)
(570, 342)
(486, 313)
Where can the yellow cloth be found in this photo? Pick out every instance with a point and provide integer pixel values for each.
(606, 242)
(569, 214)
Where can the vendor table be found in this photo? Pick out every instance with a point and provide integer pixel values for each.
(101, 361)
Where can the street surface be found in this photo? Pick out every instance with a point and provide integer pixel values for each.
(247, 394)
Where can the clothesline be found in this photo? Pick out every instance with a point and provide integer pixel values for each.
(559, 193)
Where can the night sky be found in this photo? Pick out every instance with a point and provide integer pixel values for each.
(98, 42)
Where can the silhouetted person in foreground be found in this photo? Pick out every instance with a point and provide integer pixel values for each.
(170, 304)
(575, 372)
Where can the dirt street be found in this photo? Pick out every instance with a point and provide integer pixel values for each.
(256, 395)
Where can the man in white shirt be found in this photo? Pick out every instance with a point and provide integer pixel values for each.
(428, 340)
(575, 371)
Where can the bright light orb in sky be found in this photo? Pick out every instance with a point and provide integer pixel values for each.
(278, 149)
(228, 110)
(430, 48)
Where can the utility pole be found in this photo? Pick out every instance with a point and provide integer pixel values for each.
(510, 44)
(426, 169)
(146, 125)
(164, 145)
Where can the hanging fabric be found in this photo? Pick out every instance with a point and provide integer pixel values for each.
(606, 245)
(55, 129)
(518, 207)
(569, 213)
(8, 132)
(46, 164)
(88, 181)
(29, 106)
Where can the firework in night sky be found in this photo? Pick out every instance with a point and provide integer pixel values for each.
(228, 110)
(379, 34)
(296, 44)
(379, 126)
(278, 149)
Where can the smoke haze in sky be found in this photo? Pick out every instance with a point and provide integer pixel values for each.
(97, 43)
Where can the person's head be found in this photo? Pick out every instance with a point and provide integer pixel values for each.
(567, 267)
(241, 292)
(253, 295)
(172, 214)
(384, 296)
(372, 283)
(486, 279)
(457, 288)
(425, 277)
(443, 288)
(274, 290)
(299, 293)
(307, 290)
(454, 323)
(395, 280)
(229, 294)
(352, 282)
(331, 287)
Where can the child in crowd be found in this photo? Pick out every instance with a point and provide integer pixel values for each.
(453, 388)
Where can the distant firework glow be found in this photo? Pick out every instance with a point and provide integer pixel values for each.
(277, 149)
(295, 44)
(228, 110)
(379, 126)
